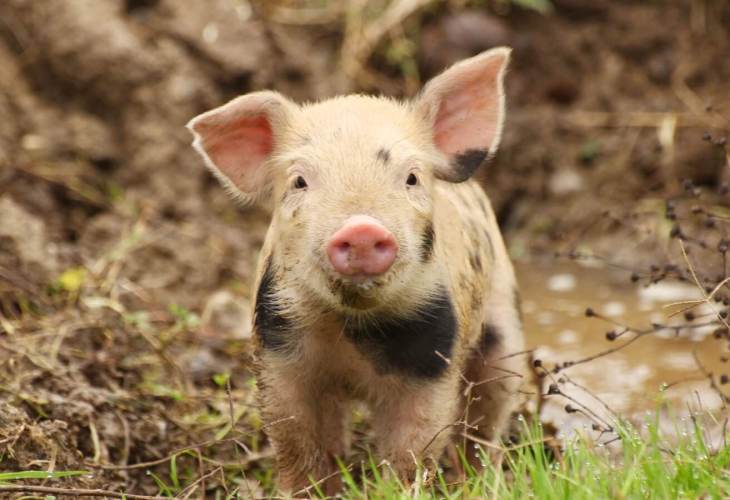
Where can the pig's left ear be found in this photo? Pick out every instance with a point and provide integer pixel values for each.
(237, 139)
(465, 107)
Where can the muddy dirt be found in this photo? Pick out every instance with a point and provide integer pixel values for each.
(125, 269)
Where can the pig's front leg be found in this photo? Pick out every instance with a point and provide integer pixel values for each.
(307, 430)
(415, 424)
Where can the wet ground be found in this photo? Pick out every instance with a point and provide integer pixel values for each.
(658, 367)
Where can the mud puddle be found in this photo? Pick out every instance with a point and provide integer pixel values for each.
(659, 367)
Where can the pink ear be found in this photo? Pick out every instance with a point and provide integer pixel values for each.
(465, 105)
(238, 138)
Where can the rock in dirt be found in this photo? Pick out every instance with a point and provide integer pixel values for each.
(225, 33)
(565, 181)
(458, 36)
(227, 316)
(24, 251)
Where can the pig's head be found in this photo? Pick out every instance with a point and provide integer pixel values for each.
(352, 180)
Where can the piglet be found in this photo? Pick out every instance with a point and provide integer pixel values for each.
(383, 277)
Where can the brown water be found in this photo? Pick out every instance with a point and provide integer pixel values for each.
(635, 379)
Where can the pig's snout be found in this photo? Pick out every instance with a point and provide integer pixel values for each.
(362, 246)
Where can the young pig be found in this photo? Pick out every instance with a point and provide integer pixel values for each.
(383, 277)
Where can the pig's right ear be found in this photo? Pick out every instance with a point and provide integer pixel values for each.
(237, 139)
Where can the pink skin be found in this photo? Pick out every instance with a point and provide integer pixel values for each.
(362, 248)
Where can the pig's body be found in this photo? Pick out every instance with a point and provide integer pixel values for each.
(383, 277)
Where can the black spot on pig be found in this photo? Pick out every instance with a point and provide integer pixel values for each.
(409, 344)
(465, 164)
(475, 261)
(427, 239)
(270, 323)
(489, 339)
(383, 155)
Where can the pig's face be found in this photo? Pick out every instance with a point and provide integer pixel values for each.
(352, 179)
(353, 200)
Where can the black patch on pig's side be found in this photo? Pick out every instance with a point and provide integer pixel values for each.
(465, 164)
(427, 239)
(489, 339)
(383, 155)
(408, 344)
(271, 325)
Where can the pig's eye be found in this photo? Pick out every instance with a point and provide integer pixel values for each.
(412, 180)
(300, 183)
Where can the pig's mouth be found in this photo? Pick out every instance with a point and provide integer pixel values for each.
(357, 292)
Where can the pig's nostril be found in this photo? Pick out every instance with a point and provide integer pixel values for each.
(382, 246)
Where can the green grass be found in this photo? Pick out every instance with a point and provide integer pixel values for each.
(6, 477)
(645, 466)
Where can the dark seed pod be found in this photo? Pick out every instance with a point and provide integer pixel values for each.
(553, 389)
(590, 312)
(611, 336)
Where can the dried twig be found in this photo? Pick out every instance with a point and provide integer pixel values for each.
(361, 38)
(74, 492)
(710, 376)
(190, 489)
